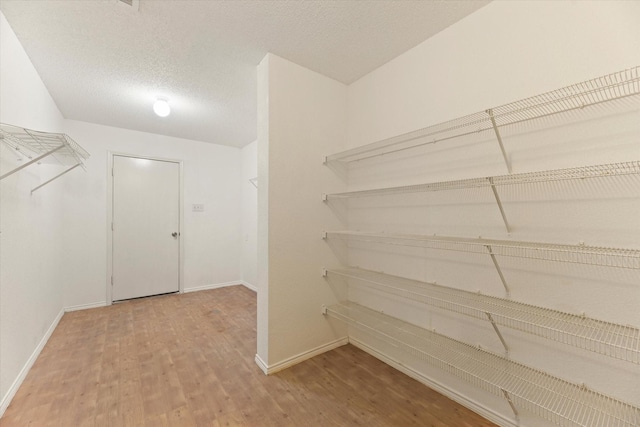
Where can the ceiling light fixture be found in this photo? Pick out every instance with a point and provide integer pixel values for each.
(161, 107)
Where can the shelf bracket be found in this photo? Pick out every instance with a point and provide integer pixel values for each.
(495, 328)
(30, 162)
(495, 263)
(55, 177)
(513, 407)
(499, 202)
(495, 129)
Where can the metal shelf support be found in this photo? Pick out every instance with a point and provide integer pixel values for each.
(495, 129)
(32, 161)
(513, 407)
(497, 197)
(55, 177)
(495, 328)
(497, 266)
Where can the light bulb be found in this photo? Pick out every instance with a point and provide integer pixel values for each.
(161, 107)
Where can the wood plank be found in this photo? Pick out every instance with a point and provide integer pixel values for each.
(187, 360)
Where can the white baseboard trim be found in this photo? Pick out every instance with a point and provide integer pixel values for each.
(263, 366)
(213, 286)
(8, 397)
(463, 400)
(294, 360)
(249, 286)
(85, 306)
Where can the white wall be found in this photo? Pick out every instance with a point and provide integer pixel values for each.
(249, 210)
(504, 52)
(210, 238)
(31, 283)
(301, 116)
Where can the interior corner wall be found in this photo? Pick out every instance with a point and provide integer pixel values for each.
(211, 239)
(31, 284)
(504, 52)
(301, 118)
(249, 211)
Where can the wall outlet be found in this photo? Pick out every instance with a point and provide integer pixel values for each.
(197, 207)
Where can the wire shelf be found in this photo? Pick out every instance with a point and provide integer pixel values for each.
(32, 143)
(610, 339)
(576, 254)
(551, 398)
(42, 147)
(592, 92)
(584, 172)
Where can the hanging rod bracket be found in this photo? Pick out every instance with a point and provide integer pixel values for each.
(497, 266)
(499, 202)
(324, 272)
(495, 328)
(495, 129)
(32, 161)
(513, 407)
(55, 177)
(323, 310)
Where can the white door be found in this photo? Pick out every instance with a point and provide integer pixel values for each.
(146, 220)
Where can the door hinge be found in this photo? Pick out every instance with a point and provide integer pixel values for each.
(111, 225)
(112, 171)
(111, 280)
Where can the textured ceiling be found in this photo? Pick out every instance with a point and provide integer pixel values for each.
(105, 62)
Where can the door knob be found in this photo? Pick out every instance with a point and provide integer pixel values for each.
(174, 234)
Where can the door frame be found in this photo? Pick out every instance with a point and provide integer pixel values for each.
(110, 156)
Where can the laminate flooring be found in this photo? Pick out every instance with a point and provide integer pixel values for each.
(188, 360)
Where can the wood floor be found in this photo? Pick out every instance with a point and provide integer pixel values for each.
(187, 360)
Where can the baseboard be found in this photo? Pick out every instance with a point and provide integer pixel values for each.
(213, 286)
(463, 400)
(294, 360)
(262, 365)
(85, 306)
(249, 286)
(6, 399)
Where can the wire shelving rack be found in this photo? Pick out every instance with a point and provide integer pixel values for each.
(584, 172)
(611, 87)
(606, 338)
(525, 388)
(42, 147)
(576, 254)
